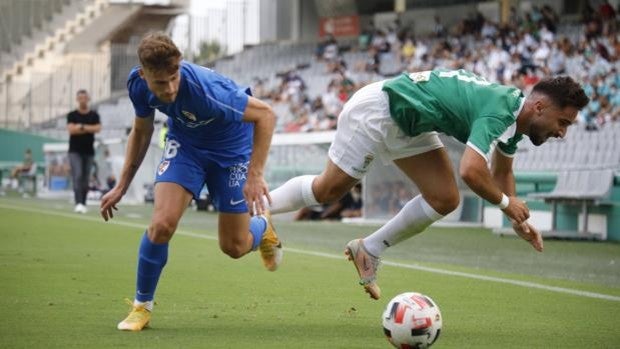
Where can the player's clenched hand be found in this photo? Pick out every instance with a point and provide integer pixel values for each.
(517, 210)
(109, 201)
(530, 234)
(253, 191)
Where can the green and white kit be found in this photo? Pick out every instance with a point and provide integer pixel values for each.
(401, 117)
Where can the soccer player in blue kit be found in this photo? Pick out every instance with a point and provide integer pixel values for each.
(218, 135)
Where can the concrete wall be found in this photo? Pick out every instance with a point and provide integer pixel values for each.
(309, 22)
(13, 145)
(284, 23)
(267, 20)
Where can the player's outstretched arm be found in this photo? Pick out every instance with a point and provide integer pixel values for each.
(529, 233)
(501, 169)
(476, 174)
(261, 114)
(137, 145)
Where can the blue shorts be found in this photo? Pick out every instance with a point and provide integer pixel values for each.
(187, 166)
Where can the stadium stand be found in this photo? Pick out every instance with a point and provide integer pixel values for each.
(581, 149)
(29, 23)
(519, 53)
(37, 75)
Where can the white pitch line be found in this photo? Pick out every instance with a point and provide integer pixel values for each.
(526, 284)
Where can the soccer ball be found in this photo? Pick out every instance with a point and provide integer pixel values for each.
(412, 321)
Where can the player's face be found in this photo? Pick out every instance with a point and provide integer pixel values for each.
(163, 83)
(551, 121)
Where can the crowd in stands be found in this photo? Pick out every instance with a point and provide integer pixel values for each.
(388, 198)
(519, 52)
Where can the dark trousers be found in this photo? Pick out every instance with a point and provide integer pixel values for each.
(81, 166)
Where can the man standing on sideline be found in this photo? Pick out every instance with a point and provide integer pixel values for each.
(397, 120)
(219, 135)
(82, 125)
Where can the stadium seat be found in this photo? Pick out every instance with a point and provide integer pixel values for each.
(583, 187)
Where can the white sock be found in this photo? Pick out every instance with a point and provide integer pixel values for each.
(148, 305)
(293, 195)
(412, 219)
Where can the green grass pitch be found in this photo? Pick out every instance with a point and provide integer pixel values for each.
(63, 278)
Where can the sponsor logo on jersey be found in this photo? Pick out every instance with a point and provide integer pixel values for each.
(237, 175)
(192, 124)
(163, 166)
(189, 115)
(367, 160)
(236, 202)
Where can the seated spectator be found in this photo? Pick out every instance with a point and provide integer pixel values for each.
(327, 49)
(312, 213)
(380, 42)
(22, 169)
(608, 17)
(407, 51)
(363, 41)
(439, 31)
(351, 203)
(591, 112)
(549, 18)
(604, 115)
(371, 63)
(331, 51)
(349, 206)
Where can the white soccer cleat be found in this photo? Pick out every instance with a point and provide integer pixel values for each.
(366, 265)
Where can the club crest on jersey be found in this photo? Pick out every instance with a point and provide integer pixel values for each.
(163, 166)
(189, 115)
(420, 76)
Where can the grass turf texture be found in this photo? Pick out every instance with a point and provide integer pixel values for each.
(63, 278)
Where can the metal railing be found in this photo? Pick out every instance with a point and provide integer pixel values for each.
(44, 96)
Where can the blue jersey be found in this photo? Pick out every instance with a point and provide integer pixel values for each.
(207, 113)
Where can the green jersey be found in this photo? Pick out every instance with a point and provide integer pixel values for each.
(459, 104)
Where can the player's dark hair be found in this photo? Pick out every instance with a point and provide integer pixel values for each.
(158, 52)
(563, 91)
(81, 92)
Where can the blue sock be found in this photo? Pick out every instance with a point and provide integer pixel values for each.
(258, 225)
(151, 260)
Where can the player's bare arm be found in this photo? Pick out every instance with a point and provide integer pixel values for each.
(501, 169)
(137, 145)
(261, 114)
(476, 174)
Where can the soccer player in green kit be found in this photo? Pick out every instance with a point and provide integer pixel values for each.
(398, 120)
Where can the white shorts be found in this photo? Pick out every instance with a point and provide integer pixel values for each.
(366, 130)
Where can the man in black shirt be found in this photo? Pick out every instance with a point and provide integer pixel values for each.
(82, 125)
